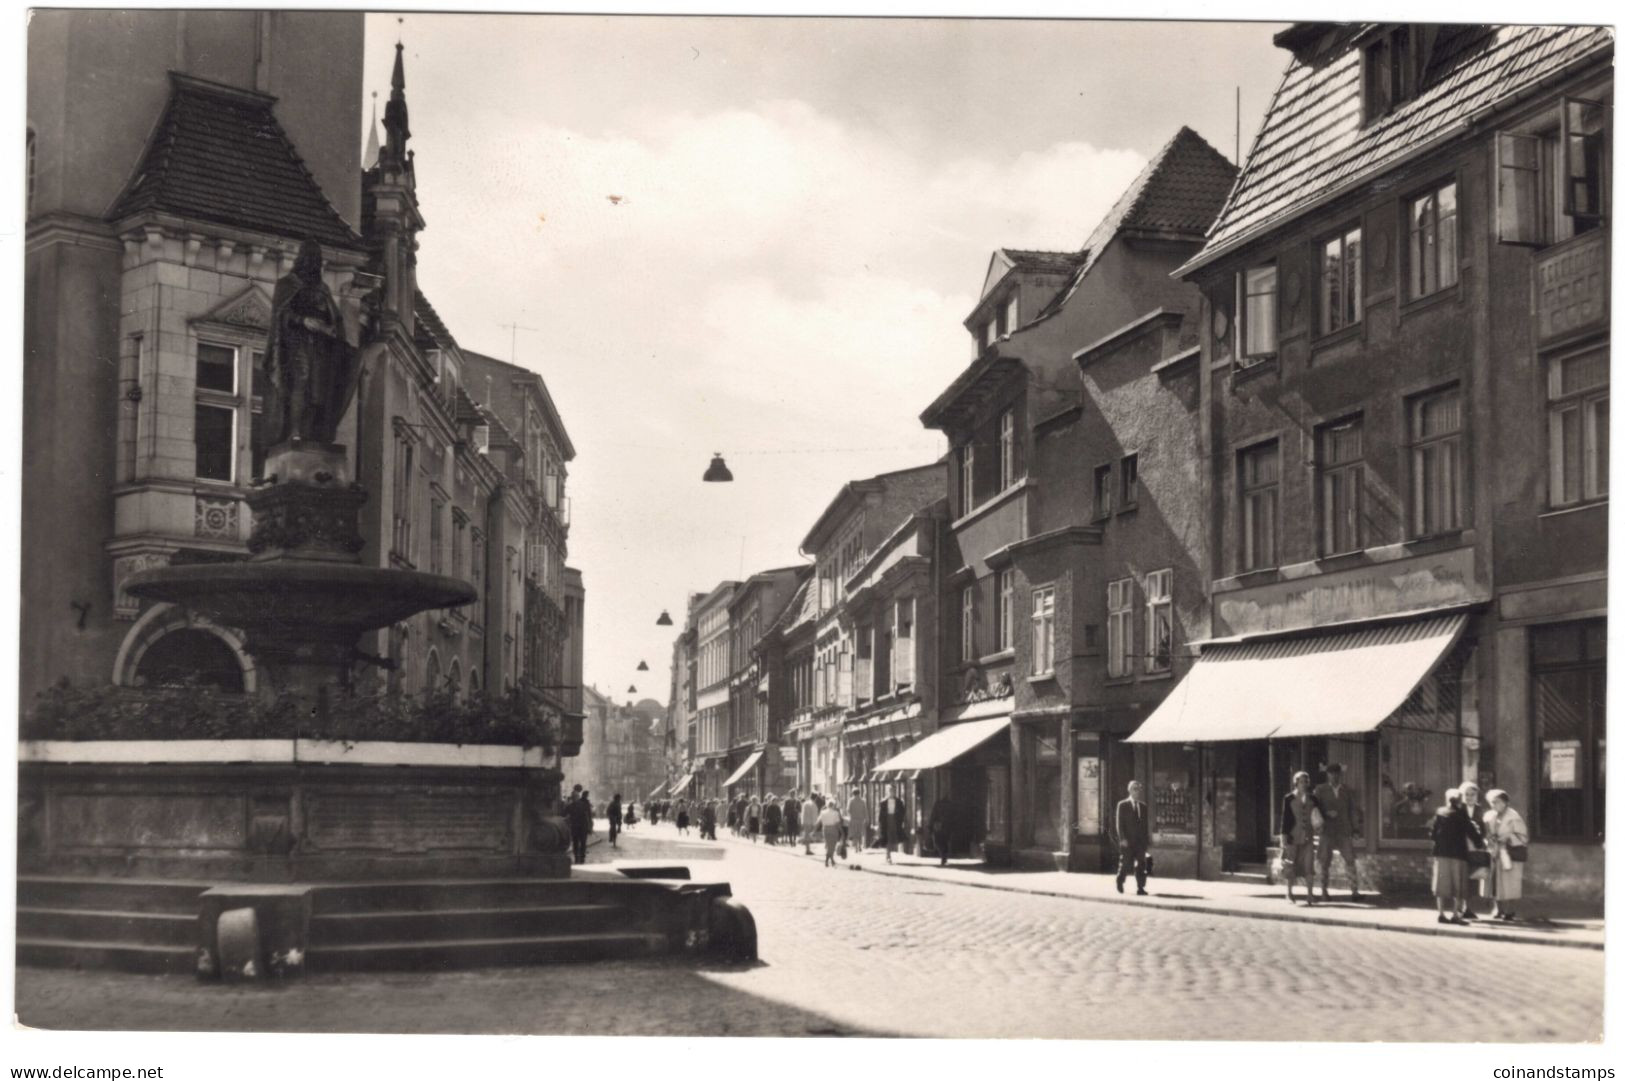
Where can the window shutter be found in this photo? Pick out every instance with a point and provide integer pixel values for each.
(1517, 188)
(1582, 129)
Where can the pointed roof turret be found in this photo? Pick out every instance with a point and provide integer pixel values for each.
(396, 131)
(371, 157)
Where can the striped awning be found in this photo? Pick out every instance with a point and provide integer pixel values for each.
(677, 789)
(1327, 684)
(748, 765)
(659, 789)
(940, 748)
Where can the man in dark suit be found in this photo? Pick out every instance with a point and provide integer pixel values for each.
(614, 814)
(893, 822)
(579, 815)
(1133, 837)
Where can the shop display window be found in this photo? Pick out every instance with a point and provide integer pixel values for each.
(1173, 789)
(1421, 751)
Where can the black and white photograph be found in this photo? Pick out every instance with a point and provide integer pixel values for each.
(906, 526)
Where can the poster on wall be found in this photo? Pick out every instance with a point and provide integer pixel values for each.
(1089, 773)
(1562, 764)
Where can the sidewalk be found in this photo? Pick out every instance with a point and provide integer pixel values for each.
(1408, 915)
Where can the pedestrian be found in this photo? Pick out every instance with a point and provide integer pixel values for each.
(818, 798)
(1133, 838)
(1342, 819)
(753, 819)
(1453, 834)
(792, 817)
(893, 822)
(631, 813)
(1508, 838)
(772, 819)
(708, 821)
(613, 813)
(578, 815)
(682, 817)
(733, 817)
(1478, 859)
(809, 822)
(857, 820)
(1301, 819)
(941, 827)
(829, 820)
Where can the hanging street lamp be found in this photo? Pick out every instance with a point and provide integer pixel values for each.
(664, 620)
(717, 471)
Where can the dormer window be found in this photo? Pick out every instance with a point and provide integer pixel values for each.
(1389, 72)
(1011, 314)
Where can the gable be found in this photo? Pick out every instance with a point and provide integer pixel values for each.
(249, 309)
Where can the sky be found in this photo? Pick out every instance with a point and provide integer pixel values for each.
(804, 211)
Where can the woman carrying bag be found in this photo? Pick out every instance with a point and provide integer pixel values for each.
(1454, 835)
(1508, 839)
(1301, 819)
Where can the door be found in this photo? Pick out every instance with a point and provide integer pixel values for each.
(1253, 826)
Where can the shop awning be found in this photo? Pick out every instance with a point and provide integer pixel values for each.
(738, 774)
(941, 747)
(677, 790)
(1328, 684)
(656, 793)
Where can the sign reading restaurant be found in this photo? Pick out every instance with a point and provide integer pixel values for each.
(1571, 288)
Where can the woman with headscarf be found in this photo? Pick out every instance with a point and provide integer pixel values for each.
(1478, 867)
(1508, 839)
(1298, 814)
(829, 820)
(1453, 833)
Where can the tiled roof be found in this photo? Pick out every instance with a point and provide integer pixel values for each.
(1179, 192)
(1044, 261)
(1312, 143)
(219, 155)
(431, 330)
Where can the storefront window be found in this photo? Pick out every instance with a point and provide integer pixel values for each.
(1570, 684)
(1173, 789)
(1421, 749)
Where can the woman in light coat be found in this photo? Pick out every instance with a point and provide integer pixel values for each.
(1505, 831)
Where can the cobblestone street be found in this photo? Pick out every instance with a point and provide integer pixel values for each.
(850, 953)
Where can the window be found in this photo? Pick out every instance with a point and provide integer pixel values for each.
(967, 624)
(1130, 474)
(1103, 491)
(401, 538)
(1007, 449)
(967, 479)
(1007, 615)
(903, 643)
(256, 428)
(1436, 482)
(1569, 668)
(1119, 627)
(215, 435)
(1431, 224)
(1260, 505)
(1011, 312)
(1577, 427)
(1159, 620)
(476, 575)
(1584, 170)
(1389, 72)
(214, 416)
(1342, 487)
(1340, 300)
(1044, 631)
(1423, 750)
(1258, 309)
(437, 511)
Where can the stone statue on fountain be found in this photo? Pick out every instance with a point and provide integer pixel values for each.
(310, 363)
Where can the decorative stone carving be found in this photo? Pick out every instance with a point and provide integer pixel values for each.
(249, 309)
(215, 518)
(124, 605)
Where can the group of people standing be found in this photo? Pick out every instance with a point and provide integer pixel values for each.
(1487, 843)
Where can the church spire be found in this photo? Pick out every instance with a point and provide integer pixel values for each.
(395, 126)
(371, 157)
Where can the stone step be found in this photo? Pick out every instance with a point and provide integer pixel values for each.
(457, 924)
(106, 925)
(452, 894)
(118, 956)
(432, 956)
(109, 894)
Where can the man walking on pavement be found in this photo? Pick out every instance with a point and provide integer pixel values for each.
(941, 826)
(893, 822)
(1340, 814)
(1133, 838)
